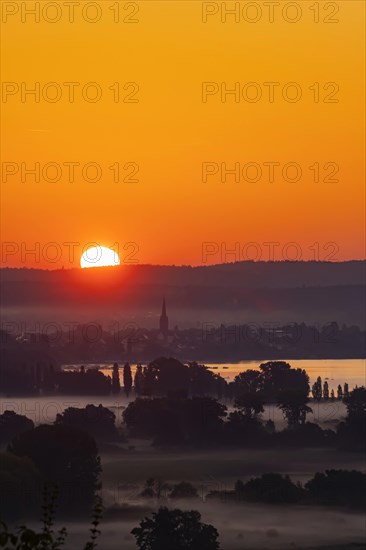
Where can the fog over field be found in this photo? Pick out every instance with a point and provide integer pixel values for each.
(243, 527)
(125, 473)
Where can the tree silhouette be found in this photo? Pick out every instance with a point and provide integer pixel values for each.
(317, 389)
(139, 380)
(277, 376)
(220, 387)
(66, 457)
(183, 490)
(243, 430)
(155, 488)
(99, 421)
(351, 433)
(338, 487)
(293, 405)
(334, 487)
(175, 421)
(250, 404)
(339, 392)
(274, 374)
(356, 404)
(271, 488)
(127, 379)
(19, 487)
(249, 381)
(12, 424)
(166, 376)
(85, 382)
(116, 386)
(202, 381)
(175, 530)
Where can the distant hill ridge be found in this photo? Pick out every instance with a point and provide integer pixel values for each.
(240, 274)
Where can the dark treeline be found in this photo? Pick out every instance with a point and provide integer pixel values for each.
(162, 376)
(331, 488)
(205, 422)
(176, 405)
(29, 362)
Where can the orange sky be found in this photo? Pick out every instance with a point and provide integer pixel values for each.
(170, 132)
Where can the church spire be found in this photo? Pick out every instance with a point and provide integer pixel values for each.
(164, 321)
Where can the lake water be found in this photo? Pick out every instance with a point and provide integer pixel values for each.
(336, 371)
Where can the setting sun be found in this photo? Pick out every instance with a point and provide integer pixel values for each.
(99, 256)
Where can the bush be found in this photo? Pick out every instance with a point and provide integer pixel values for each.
(338, 488)
(67, 457)
(20, 484)
(175, 530)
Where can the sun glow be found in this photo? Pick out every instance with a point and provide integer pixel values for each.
(99, 256)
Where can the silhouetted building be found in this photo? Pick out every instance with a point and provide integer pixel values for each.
(164, 321)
